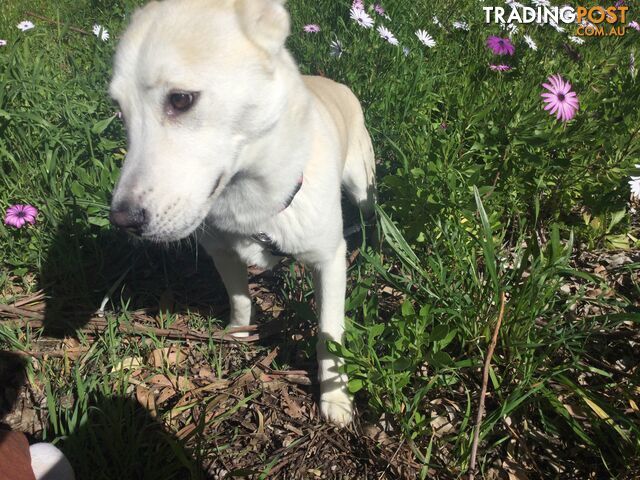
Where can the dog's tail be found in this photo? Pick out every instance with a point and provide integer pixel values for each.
(359, 174)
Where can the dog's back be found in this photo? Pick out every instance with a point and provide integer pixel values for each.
(358, 171)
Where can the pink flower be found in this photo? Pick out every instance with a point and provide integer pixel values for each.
(635, 25)
(311, 28)
(379, 9)
(500, 68)
(358, 5)
(500, 46)
(18, 215)
(560, 99)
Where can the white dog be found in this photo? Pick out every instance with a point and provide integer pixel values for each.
(226, 135)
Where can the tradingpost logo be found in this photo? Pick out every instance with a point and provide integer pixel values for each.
(594, 21)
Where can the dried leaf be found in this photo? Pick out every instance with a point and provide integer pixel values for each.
(514, 471)
(128, 363)
(160, 380)
(165, 394)
(173, 355)
(146, 398)
(291, 407)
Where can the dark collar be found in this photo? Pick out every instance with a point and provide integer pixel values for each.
(264, 238)
(293, 194)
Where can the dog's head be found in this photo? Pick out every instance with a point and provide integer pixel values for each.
(196, 81)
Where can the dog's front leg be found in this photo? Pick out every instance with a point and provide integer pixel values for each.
(234, 276)
(330, 283)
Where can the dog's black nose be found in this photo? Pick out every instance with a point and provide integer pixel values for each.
(128, 218)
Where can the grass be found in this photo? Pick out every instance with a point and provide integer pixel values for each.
(481, 193)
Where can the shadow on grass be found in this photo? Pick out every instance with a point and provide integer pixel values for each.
(12, 380)
(119, 439)
(116, 438)
(84, 263)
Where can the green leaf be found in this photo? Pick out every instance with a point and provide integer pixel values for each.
(407, 308)
(99, 221)
(440, 359)
(616, 218)
(397, 242)
(401, 364)
(438, 333)
(77, 189)
(355, 385)
(487, 241)
(617, 242)
(102, 125)
(376, 330)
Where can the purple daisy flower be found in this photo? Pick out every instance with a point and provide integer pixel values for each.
(560, 99)
(18, 215)
(500, 68)
(634, 25)
(311, 28)
(379, 9)
(358, 4)
(500, 46)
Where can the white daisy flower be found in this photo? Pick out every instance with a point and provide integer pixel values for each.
(634, 183)
(361, 17)
(436, 21)
(530, 42)
(387, 35)
(461, 25)
(512, 28)
(101, 32)
(335, 48)
(405, 51)
(558, 28)
(586, 24)
(541, 3)
(576, 40)
(425, 38)
(25, 25)
(3, 43)
(514, 4)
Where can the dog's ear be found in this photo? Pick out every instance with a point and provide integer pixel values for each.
(266, 22)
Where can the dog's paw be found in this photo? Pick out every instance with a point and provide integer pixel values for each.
(337, 407)
(241, 334)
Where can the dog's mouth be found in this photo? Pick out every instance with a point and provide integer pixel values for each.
(192, 219)
(215, 187)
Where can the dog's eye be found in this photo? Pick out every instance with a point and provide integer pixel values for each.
(181, 101)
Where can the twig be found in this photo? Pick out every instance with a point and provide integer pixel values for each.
(483, 393)
(55, 22)
(21, 312)
(48, 353)
(390, 462)
(36, 320)
(34, 298)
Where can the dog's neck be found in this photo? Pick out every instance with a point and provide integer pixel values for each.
(267, 179)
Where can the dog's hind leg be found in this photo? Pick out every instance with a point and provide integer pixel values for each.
(358, 176)
(234, 276)
(330, 283)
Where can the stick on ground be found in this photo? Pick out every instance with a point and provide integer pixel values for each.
(483, 392)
